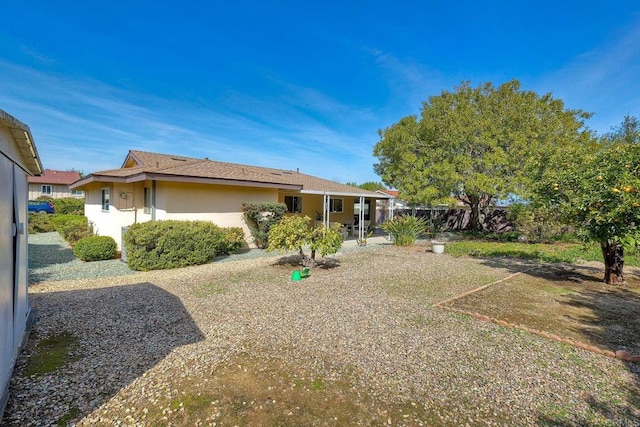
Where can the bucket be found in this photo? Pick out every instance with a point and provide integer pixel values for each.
(437, 247)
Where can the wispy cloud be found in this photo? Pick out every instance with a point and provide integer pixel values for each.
(410, 81)
(603, 80)
(38, 56)
(89, 125)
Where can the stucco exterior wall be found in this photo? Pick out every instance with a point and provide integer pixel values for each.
(219, 204)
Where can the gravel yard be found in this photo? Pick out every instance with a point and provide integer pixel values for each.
(357, 343)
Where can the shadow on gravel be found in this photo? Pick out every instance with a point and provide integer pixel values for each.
(122, 332)
(602, 315)
(45, 255)
(295, 261)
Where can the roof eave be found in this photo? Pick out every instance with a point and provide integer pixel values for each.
(143, 176)
(344, 193)
(22, 135)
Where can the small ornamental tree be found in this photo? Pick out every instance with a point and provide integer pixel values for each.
(600, 194)
(294, 232)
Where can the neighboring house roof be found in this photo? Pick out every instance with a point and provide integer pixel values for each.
(142, 165)
(22, 135)
(50, 176)
(392, 193)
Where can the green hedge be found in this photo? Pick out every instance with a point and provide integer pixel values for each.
(40, 223)
(72, 227)
(69, 205)
(95, 248)
(157, 245)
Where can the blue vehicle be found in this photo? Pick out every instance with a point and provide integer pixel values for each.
(41, 206)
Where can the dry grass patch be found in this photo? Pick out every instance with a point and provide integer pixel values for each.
(568, 300)
(269, 392)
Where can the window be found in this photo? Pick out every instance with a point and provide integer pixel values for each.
(77, 193)
(147, 200)
(105, 199)
(335, 205)
(46, 190)
(294, 203)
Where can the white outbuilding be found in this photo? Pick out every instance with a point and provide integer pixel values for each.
(18, 160)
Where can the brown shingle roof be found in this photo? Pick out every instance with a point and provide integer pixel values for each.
(158, 165)
(50, 176)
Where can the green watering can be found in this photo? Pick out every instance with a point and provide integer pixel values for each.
(300, 274)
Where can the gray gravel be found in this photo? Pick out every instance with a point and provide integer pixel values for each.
(366, 318)
(51, 259)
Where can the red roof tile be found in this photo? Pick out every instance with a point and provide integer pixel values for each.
(50, 176)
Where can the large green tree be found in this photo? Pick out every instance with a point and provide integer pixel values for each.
(369, 185)
(477, 144)
(600, 196)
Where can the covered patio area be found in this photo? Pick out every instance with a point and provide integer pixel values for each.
(354, 211)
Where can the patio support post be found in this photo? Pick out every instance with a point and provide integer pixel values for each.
(325, 211)
(361, 233)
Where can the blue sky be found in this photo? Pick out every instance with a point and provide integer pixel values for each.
(292, 84)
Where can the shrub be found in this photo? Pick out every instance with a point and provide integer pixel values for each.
(229, 240)
(40, 223)
(95, 248)
(539, 224)
(68, 206)
(72, 227)
(405, 229)
(261, 217)
(157, 245)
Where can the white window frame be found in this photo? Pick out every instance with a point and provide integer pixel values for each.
(333, 203)
(43, 189)
(105, 191)
(77, 193)
(296, 204)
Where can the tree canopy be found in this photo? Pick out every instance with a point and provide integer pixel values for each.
(369, 185)
(477, 144)
(600, 195)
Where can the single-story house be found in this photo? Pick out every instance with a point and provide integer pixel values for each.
(54, 184)
(152, 186)
(18, 159)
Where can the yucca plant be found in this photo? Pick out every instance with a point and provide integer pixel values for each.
(405, 229)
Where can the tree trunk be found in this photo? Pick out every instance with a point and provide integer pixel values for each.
(479, 210)
(613, 263)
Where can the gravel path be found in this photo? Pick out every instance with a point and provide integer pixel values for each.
(366, 319)
(51, 259)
